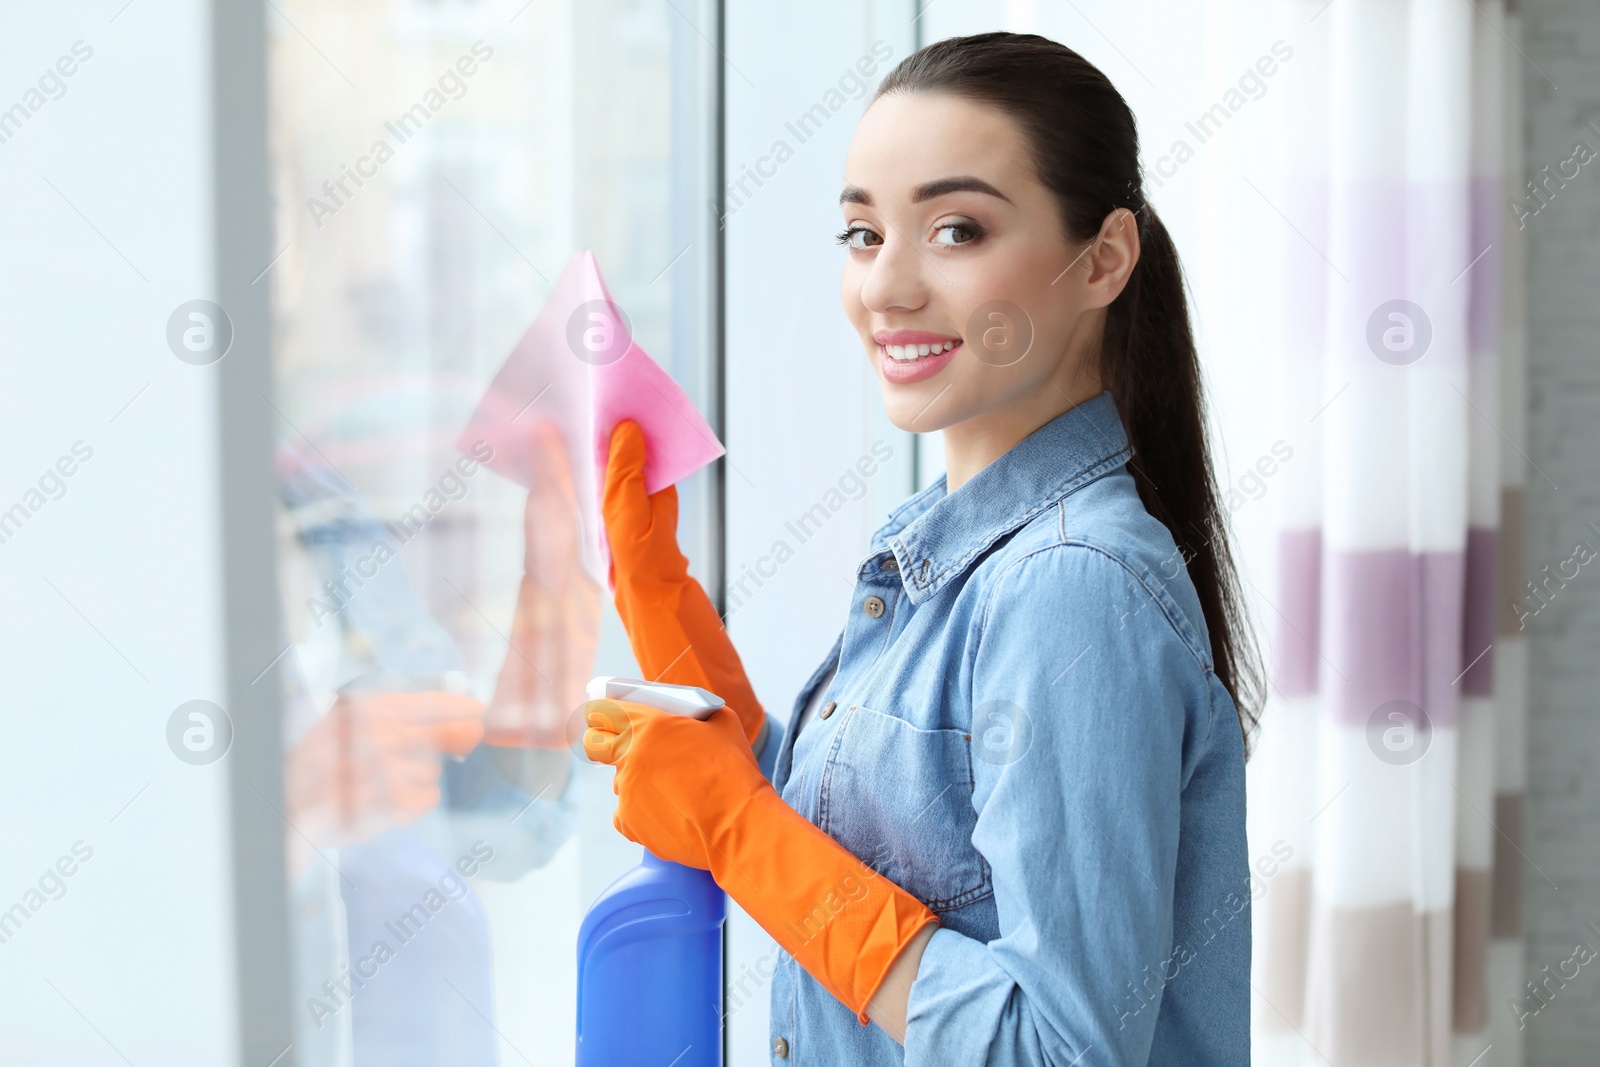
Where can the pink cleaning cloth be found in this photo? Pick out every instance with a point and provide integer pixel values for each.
(579, 369)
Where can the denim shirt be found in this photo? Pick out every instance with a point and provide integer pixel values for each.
(1026, 733)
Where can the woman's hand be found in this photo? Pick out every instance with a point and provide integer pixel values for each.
(679, 780)
(675, 631)
(691, 792)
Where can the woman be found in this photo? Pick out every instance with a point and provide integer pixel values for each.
(1007, 822)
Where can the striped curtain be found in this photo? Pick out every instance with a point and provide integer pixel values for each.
(1390, 767)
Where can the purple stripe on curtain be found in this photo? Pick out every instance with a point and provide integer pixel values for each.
(1478, 613)
(1394, 632)
(1440, 243)
(1483, 308)
(1300, 611)
(1399, 625)
(1395, 240)
(1369, 242)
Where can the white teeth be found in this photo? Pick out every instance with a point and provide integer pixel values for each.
(907, 353)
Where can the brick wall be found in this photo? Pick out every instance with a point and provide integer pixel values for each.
(1562, 39)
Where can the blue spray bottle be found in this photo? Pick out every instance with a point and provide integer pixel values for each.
(650, 948)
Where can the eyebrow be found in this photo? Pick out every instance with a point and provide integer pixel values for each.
(927, 191)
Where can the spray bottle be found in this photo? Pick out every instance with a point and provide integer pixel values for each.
(650, 948)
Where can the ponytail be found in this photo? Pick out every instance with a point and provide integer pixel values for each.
(1150, 365)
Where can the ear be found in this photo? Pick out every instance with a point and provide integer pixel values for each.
(1111, 257)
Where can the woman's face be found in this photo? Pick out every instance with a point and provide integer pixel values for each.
(956, 247)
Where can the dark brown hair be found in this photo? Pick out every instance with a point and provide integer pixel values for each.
(1085, 149)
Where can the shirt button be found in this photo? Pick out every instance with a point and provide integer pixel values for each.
(780, 1048)
(827, 709)
(890, 564)
(873, 606)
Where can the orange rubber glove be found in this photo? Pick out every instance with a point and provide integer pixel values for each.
(690, 791)
(676, 633)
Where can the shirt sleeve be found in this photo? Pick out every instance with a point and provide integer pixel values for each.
(1083, 695)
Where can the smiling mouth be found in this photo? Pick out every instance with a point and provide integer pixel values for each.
(911, 353)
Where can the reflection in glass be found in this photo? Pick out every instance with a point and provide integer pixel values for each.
(435, 164)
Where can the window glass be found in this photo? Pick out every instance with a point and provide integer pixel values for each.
(435, 167)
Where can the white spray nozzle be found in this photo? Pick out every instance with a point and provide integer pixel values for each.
(688, 700)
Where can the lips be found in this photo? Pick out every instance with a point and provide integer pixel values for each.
(902, 371)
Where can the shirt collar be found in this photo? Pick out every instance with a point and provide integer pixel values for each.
(935, 535)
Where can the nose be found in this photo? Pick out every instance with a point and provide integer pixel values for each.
(897, 277)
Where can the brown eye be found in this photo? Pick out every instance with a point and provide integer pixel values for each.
(846, 237)
(971, 231)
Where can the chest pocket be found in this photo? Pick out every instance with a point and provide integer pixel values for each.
(900, 798)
